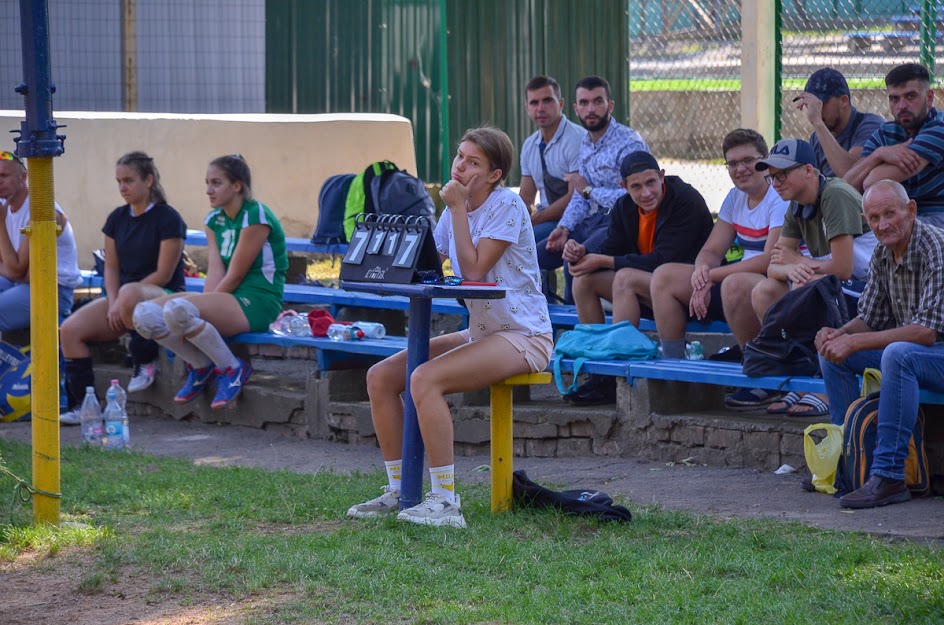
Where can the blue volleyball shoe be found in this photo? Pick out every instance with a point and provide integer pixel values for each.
(197, 380)
(229, 383)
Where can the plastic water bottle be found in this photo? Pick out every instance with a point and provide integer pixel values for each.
(694, 351)
(342, 332)
(291, 323)
(122, 398)
(298, 326)
(370, 329)
(90, 415)
(114, 421)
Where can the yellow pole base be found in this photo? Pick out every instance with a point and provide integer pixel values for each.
(502, 440)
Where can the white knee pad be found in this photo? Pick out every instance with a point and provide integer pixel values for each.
(148, 320)
(182, 317)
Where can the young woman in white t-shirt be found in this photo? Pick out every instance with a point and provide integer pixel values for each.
(486, 232)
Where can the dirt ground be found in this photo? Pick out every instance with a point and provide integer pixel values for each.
(47, 592)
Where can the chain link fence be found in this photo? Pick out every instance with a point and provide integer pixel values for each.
(684, 81)
(685, 69)
(684, 61)
(171, 56)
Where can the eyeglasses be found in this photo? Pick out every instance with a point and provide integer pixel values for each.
(10, 156)
(432, 277)
(747, 162)
(780, 177)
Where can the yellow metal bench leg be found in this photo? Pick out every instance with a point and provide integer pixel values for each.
(501, 434)
(502, 463)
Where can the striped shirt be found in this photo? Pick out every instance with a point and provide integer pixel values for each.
(927, 186)
(911, 292)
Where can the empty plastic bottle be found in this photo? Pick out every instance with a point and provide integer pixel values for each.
(694, 351)
(114, 421)
(370, 329)
(90, 415)
(342, 332)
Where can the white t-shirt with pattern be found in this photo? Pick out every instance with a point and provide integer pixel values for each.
(503, 217)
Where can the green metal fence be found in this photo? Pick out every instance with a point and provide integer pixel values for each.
(386, 56)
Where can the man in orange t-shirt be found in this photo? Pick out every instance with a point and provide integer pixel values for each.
(661, 219)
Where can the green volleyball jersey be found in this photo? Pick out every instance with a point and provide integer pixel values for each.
(267, 272)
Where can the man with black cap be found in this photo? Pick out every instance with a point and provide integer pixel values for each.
(909, 150)
(825, 214)
(839, 130)
(661, 219)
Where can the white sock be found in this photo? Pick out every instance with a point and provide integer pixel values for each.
(191, 355)
(393, 473)
(443, 481)
(209, 341)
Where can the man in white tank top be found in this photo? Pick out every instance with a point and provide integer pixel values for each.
(14, 249)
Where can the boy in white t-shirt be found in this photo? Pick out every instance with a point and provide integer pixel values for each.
(752, 213)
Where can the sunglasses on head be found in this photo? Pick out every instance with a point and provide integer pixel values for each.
(10, 156)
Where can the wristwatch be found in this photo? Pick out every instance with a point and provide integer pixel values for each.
(586, 192)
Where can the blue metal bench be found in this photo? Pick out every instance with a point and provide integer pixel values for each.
(292, 244)
(331, 354)
(730, 374)
(562, 316)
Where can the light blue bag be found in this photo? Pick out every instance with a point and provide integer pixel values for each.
(600, 341)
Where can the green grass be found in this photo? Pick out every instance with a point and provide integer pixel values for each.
(207, 531)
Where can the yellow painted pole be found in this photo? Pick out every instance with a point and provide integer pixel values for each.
(44, 337)
(501, 445)
(502, 467)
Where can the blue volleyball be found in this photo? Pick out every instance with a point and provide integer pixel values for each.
(15, 387)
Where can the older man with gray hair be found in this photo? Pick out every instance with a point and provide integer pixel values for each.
(899, 329)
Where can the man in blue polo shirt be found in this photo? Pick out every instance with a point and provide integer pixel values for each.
(909, 150)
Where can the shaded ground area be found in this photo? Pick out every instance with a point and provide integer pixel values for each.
(702, 490)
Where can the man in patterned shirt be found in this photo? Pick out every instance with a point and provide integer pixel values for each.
(597, 183)
(911, 148)
(899, 329)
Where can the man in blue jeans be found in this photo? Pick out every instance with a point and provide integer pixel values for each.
(899, 329)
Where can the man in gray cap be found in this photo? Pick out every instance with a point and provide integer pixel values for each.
(661, 219)
(839, 130)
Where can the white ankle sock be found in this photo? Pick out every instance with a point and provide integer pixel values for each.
(393, 472)
(443, 481)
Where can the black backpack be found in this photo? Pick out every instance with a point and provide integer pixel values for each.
(332, 200)
(384, 188)
(784, 345)
(589, 503)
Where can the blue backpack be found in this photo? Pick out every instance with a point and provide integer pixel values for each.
(331, 204)
(600, 341)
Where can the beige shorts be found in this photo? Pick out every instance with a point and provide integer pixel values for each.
(536, 349)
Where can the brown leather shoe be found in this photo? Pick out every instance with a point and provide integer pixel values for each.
(878, 491)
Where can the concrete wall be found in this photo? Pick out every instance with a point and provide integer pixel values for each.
(290, 156)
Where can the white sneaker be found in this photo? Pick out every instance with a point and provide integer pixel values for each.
(143, 377)
(70, 418)
(436, 510)
(388, 503)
